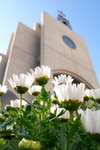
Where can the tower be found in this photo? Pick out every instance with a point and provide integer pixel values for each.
(51, 42)
(65, 51)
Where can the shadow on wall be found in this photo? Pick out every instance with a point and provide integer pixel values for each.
(8, 96)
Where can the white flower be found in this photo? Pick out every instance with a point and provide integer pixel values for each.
(65, 116)
(16, 103)
(23, 82)
(53, 108)
(9, 127)
(53, 97)
(40, 72)
(91, 121)
(89, 93)
(80, 111)
(95, 93)
(62, 79)
(3, 89)
(70, 96)
(88, 98)
(58, 110)
(0, 59)
(35, 90)
(41, 75)
(70, 92)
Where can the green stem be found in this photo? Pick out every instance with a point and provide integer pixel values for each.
(68, 127)
(68, 144)
(20, 102)
(43, 114)
(71, 116)
(20, 111)
(0, 105)
(43, 86)
(97, 146)
(68, 137)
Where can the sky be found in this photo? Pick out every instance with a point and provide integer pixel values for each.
(83, 16)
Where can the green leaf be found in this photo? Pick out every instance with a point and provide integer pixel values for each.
(28, 109)
(7, 122)
(2, 141)
(44, 94)
(62, 137)
(9, 108)
(12, 111)
(74, 126)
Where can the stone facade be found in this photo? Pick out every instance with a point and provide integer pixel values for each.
(43, 45)
(60, 57)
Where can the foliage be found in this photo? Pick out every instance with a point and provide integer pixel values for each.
(35, 123)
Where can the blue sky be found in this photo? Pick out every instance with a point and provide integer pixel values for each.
(82, 14)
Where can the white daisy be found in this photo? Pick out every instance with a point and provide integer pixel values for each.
(35, 90)
(70, 96)
(58, 110)
(3, 89)
(20, 84)
(91, 121)
(95, 93)
(70, 92)
(62, 79)
(16, 103)
(40, 75)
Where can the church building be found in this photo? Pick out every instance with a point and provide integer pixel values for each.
(51, 42)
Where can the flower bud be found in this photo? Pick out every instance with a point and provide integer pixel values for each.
(25, 144)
